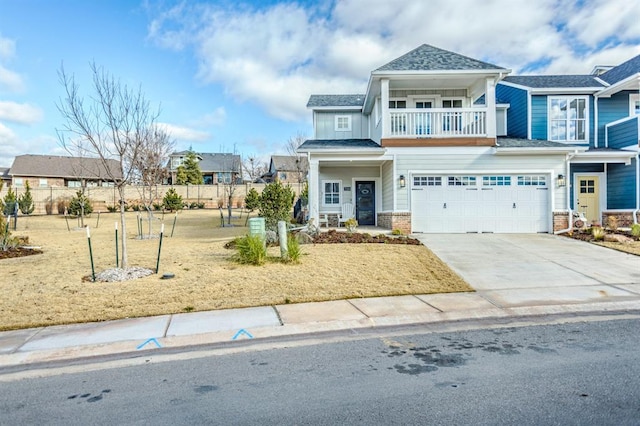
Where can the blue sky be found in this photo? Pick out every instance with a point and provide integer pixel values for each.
(238, 74)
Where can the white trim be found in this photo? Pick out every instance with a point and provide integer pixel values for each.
(340, 193)
(569, 98)
(633, 98)
(336, 123)
(336, 108)
(619, 86)
(529, 114)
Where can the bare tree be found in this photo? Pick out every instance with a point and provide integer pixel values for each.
(254, 167)
(151, 167)
(301, 164)
(233, 164)
(114, 123)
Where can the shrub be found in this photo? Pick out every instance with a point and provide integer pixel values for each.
(62, 206)
(157, 206)
(635, 230)
(276, 202)
(172, 201)
(193, 205)
(351, 224)
(252, 200)
(397, 232)
(6, 240)
(250, 250)
(112, 209)
(200, 205)
(598, 233)
(293, 249)
(80, 204)
(10, 203)
(25, 201)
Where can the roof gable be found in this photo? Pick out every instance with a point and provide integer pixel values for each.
(288, 163)
(430, 58)
(219, 162)
(622, 71)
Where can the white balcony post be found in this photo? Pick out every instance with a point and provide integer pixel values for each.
(490, 103)
(386, 117)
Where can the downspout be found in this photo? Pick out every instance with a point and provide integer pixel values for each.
(595, 116)
(568, 194)
(635, 212)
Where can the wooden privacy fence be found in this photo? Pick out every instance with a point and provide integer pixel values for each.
(53, 200)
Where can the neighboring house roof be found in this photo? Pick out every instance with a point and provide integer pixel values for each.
(554, 81)
(214, 162)
(218, 162)
(4, 173)
(355, 101)
(622, 71)
(341, 144)
(289, 163)
(430, 58)
(64, 167)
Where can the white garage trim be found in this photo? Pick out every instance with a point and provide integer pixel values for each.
(500, 201)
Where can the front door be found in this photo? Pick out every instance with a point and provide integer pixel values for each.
(588, 200)
(366, 202)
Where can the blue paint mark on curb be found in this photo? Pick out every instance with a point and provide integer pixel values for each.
(240, 333)
(153, 339)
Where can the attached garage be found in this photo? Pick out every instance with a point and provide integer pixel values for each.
(498, 203)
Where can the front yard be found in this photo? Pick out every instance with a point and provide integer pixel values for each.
(48, 288)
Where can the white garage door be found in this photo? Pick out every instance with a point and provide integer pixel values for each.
(480, 203)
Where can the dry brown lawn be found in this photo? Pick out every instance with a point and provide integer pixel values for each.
(48, 289)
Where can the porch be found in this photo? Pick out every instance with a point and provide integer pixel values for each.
(438, 123)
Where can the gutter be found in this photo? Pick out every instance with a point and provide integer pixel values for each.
(568, 194)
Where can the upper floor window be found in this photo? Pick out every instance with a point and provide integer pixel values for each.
(634, 104)
(568, 118)
(452, 103)
(343, 123)
(397, 103)
(331, 193)
(42, 182)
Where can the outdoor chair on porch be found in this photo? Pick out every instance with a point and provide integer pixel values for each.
(348, 212)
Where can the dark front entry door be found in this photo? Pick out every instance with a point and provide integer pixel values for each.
(366, 202)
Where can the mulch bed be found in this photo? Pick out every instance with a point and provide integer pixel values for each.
(585, 235)
(334, 237)
(18, 252)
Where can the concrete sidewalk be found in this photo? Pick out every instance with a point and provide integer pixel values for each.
(513, 275)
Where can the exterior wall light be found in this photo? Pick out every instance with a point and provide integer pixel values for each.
(402, 181)
(561, 181)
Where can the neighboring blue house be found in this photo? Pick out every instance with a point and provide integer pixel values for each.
(441, 142)
(601, 111)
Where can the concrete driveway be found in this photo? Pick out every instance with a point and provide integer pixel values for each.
(531, 269)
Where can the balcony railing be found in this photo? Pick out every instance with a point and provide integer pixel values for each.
(438, 122)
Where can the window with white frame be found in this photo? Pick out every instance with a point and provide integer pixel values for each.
(496, 180)
(397, 103)
(427, 181)
(634, 104)
(224, 177)
(18, 181)
(42, 183)
(331, 192)
(462, 181)
(568, 118)
(532, 180)
(343, 123)
(73, 184)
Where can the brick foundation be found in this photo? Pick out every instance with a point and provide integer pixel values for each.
(560, 221)
(399, 220)
(623, 219)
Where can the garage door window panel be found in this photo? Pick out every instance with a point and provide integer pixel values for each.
(427, 181)
(462, 181)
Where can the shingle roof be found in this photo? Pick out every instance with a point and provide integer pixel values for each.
(336, 101)
(289, 162)
(554, 81)
(64, 167)
(218, 162)
(622, 71)
(338, 144)
(506, 142)
(430, 58)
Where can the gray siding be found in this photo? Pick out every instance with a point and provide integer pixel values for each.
(609, 110)
(387, 186)
(344, 175)
(325, 125)
(623, 134)
(621, 186)
(518, 110)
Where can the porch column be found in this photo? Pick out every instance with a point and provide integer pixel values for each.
(384, 97)
(490, 103)
(314, 191)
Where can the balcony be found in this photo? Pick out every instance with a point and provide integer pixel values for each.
(438, 123)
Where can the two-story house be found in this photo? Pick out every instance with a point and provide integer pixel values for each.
(599, 111)
(216, 168)
(287, 169)
(424, 149)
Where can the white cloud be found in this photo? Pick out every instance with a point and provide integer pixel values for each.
(276, 56)
(19, 113)
(7, 48)
(215, 118)
(10, 80)
(184, 133)
(13, 145)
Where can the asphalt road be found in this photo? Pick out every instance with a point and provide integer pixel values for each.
(574, 373)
